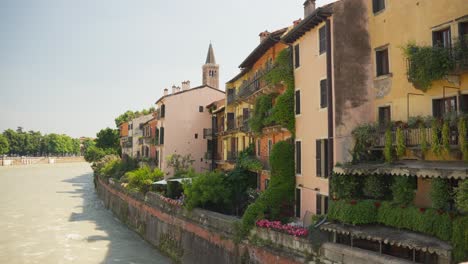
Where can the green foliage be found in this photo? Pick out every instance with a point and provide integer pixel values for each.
(436, 145)
(261, 113)
(108, 138)
(353, 212)
(206, 188)
(400, 143)
(424, 143)
(403, 190)
(374, 187)
(129, 115)
(142, 179)
(461, 195)
(363, 136)
(440, 193)
(427, 64)
(4, 145)
(446, 137)
(462, 137)
(388, 148)
(99, 164)
(344, 186)
(33, 143)
(247, 160)
(279, 195)
(239, 181)
(459, 239)
(283, 111)
(94, 153)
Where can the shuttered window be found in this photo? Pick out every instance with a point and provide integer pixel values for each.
(323, 39)
(298, 102)
(297, 59)
(163, 110)
(323, 94)
(321, 158)
(464, 103)
(318, 204)
(298, 158)
(298, 203)
(318, 157)
(378, 5)
(384, 116)
(161, 136)
(381, 60)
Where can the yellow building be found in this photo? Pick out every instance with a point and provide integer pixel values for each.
(241, 92)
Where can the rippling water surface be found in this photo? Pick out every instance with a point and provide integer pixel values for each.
(51, 214)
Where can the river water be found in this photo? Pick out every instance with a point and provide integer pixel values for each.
(51, 214)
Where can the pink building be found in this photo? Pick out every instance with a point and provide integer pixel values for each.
(184, 121)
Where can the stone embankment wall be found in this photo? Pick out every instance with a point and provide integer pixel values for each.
(196, 236)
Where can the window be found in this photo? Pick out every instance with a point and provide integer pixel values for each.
(321, 204)
(161, 136)
(442, 38)
(267, 181)
(163, 111)
(463, 32)
(385, 116)
(378, 5)
(442, 106)
(463, 99)
(298, 158)
(323, 93)
(298, 102)
(200, 109)
(323, 39)
(297, 59)
(196, 135)
(381, 60)
(298, 202)
(321, 158)
(258, 147)
(270, 145)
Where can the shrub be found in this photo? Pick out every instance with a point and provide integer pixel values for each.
(446, 136)
(374, 187)
(283, 111)
(400, 143)
(353, 212)
(94, 153)
(462, 137)
(424, 143)
(363, 141)
(344, 186)
(207, 189)
(403, 190)
(142, 179)
(436, 145)
(261, 113)
(388, 148)
(99, 164)
(461, 195)
(460, 239)
(440, 193)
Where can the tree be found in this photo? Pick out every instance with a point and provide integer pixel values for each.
(4, 145)
(108, 138)
(129, 115)
(180, 164)
(207, 190)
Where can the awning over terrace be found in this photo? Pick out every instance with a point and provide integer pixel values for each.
(431, 169)
(392, 236)
(164, 182)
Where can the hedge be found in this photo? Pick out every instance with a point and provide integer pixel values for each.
(353, 212)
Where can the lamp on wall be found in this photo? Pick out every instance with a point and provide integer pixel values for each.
(302, 186)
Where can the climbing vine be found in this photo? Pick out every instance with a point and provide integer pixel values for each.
(282, 73)
(388, 148)
(427, 64)
(400, 143)
(436, 145)
(261, 113)
(446, 137)
(462, 136)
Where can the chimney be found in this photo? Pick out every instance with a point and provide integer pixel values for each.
(263, 35)
(174, 89)
(309, 7)
(296, 22)
(178, 89)
(185, 85)
(166, 91)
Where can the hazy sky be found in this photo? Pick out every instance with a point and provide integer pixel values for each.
(73, 66)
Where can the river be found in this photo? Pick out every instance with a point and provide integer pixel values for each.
(51, 214)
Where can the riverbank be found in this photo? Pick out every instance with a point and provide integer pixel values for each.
(20, 161)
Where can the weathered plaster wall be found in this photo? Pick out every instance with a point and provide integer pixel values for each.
(352, 66)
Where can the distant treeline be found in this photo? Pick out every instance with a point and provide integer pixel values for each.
(33, 143)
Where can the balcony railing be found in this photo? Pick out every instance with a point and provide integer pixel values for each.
(414, 137)
(243, 123)
(253, 85)
(231, 124)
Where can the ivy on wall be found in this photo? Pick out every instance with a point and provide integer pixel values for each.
(261, 113)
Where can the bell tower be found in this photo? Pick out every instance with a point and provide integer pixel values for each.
(211, 70)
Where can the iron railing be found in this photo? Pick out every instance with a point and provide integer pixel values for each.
(414, 137)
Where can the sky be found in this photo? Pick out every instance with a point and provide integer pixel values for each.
(71, 67)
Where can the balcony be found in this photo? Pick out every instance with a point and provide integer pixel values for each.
(265, 160)
(243, 123)
(231, 96)
(231, 124)
(414, 137)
